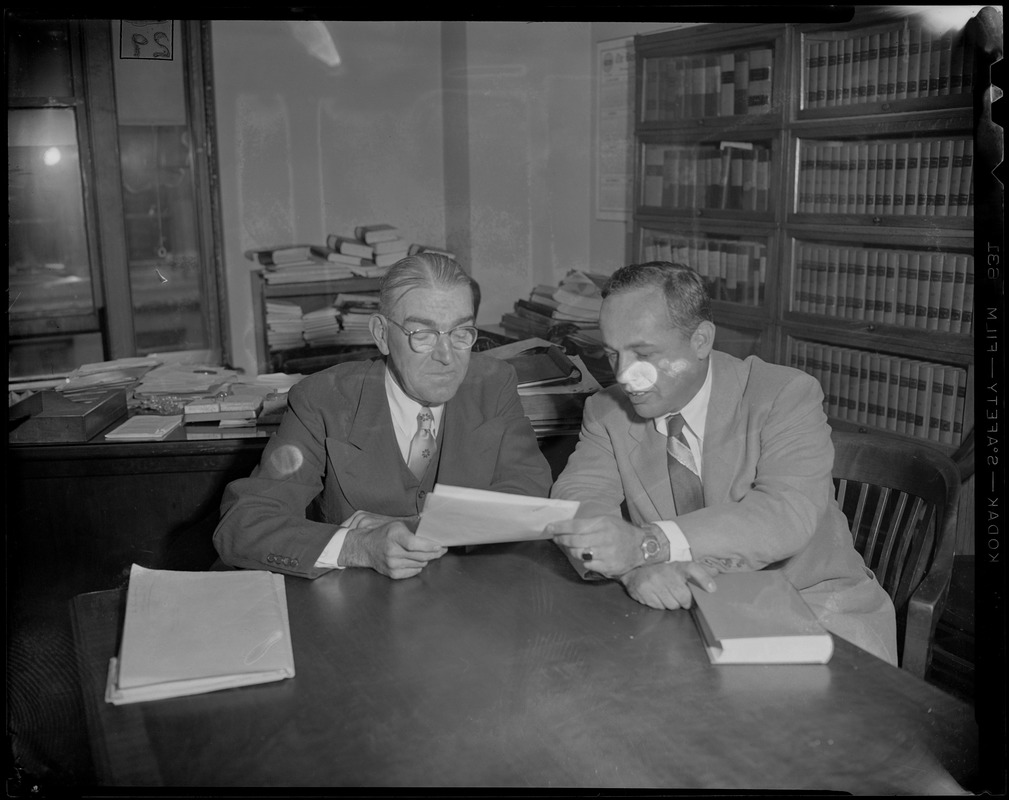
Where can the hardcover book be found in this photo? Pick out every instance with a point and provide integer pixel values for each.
(759, 618)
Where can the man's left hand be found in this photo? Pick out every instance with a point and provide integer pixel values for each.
(613, 543)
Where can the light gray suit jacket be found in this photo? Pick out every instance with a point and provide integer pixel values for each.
(769, 500)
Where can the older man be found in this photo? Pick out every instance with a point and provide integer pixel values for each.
(725, 465)
(363, 442)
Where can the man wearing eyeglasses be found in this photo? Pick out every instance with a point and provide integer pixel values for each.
(362, 443)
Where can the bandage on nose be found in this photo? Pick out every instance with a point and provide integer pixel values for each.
(638, 377)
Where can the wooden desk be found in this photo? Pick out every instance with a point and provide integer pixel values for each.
(500, 668)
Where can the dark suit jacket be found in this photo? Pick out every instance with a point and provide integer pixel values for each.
(337, 439)
(768, 493)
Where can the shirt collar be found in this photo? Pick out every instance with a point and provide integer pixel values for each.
(405, 409)
(695, 412)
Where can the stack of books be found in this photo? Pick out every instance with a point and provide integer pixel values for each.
(321, 327)
(575, 302)
(284, 325)
(386, 243)
(301, 263)
(354, 311)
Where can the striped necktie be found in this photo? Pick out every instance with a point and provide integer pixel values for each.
(687, 492)
(423, 445)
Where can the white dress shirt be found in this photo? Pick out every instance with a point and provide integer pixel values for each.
(404, 412)
(695, 415)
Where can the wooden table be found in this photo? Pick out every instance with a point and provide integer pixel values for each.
(500, 668)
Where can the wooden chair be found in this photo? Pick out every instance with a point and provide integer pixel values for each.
(901, 502)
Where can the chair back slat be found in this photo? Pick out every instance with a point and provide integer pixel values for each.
(900, 499)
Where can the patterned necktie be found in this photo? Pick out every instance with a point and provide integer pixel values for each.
(423, 445)
(687, 492)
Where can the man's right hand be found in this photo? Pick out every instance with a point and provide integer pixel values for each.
(390, 548)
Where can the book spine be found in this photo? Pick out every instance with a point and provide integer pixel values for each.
(727, 85)
(758, 99)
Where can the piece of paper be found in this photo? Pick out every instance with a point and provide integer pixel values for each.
(194, 632)
(455, 515)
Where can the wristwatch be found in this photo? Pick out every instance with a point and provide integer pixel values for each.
(650, 546)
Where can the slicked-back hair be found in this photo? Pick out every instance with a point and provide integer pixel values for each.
(687, 301)
(423, 271)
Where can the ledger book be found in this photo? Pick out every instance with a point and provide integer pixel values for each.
(194, 632)
(759, 618)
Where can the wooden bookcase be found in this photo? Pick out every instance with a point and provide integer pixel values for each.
(310, 296)
(753, 152)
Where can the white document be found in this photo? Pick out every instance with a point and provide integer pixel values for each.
(455, 515)
(193, 632)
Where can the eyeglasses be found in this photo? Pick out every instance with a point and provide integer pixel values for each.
(426, 339)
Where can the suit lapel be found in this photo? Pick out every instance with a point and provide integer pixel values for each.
(369, 460)
(647, 458)
(721, 440)
(469, 443)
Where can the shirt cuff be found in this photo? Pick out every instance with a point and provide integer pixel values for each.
(329, 557)
(679, 548)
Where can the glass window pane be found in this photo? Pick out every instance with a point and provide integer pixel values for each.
(38, 59)
(49, 266)
(58, 355)
(160, 204)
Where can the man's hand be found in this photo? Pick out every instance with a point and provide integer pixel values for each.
(613, 543)
(390, 548)
(665, 585)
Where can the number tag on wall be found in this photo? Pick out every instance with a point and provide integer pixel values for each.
(146, 39)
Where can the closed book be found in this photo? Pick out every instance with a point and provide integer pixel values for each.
(48, 416)
(812, 73)
(544, 366)
(892, 391)
(848, 65)
(349, 246)
(742, 81)
(280, 254)
(935, 403)
(944, 177)
(965, 202)
(370, 234)
(948, 275)
(187, 633)
(654, 167)
(758, 618)
(913, 54)
(388, 259)
(145, 428)
(391, 246)
(863, 387)
(957, 299)
(758, 100)
(903, 389)
(727, 84)
(335, 256)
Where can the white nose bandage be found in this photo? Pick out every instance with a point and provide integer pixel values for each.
(638, 377)
(641, 375)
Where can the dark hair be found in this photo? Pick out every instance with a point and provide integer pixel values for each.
(423, 270)
(687, 301)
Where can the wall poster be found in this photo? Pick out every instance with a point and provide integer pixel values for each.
(614, 128)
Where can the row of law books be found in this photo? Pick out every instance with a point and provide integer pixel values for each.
(732, 175)
(882, 64)
(912, 288)
(714, 85)
(906, 177)
(733, 270)
(902, 395)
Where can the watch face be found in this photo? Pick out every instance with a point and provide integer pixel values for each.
(651, 547)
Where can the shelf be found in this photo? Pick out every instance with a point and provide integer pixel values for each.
(823, 117)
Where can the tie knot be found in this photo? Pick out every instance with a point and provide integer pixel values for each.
(676, 425)
(425, 419)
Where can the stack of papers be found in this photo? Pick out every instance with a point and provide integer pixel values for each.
(145, 428)
(456, 515)
(194, 632)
